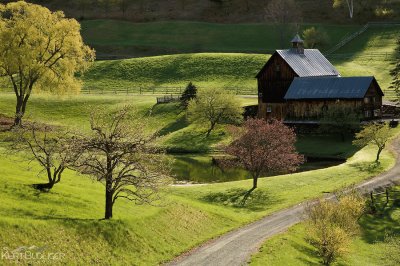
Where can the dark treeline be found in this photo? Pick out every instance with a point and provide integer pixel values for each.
(228, 11)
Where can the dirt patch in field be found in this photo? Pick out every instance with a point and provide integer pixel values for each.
(6, 122)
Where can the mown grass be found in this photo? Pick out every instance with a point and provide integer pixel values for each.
(204, 70)
(174, 37)
(176, 133)
(370, 248)
(67, 219)
(372, 53)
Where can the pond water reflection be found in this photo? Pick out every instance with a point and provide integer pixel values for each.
(201, 169)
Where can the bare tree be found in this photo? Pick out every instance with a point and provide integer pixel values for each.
(350, 5)
(124, 5)
(54, 151)
(118, 154)
(282, 13)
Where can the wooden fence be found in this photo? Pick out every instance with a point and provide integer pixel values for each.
(388, 194)
(159, 90)
(168, 99)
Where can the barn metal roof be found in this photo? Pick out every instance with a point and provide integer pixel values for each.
(329, 88)
(310, 64)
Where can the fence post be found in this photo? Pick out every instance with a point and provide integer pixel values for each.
(372, 202)
(387, 196)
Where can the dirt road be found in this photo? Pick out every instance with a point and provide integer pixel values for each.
(236, 247)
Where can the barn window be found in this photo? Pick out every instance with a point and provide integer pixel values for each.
(366, 100)
(373, 99)
(269, 109)
(367, 113)
(277, 68)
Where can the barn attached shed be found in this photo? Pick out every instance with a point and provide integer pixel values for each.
(308, 98)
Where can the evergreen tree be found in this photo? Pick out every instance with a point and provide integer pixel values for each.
(188, 94)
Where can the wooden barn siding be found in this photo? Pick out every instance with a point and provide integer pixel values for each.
(278, 110)
(273, 85)
(301, 109)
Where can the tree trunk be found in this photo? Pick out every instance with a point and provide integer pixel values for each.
(47, 186)
(210, 129)
(245, 197)
(378, 154)
(109, 200)
(18, 111)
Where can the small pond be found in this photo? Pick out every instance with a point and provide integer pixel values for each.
(201, 169)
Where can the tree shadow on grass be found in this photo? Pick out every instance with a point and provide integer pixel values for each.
(195, 141)
(308, 252)
(257, 201)
(369, 167)
(377, 228)
(179, 124)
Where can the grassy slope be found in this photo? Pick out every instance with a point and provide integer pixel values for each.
(290, 248)
(73, 111)
(143, 234)
(66, 219)
(207, 70)
(372, 53)
(369, 54)
(176, 133)
(136, 39)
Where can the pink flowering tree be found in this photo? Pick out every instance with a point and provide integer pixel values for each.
(261, 147)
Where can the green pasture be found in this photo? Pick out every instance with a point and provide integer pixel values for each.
(68, 219)
(370, 248)
(123, 38)
(371, 53)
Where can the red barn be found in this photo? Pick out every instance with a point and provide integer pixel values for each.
(313, 84)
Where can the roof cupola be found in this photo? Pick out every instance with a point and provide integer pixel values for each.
(297, 44)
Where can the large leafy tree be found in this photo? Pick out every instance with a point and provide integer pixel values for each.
(261, 147)
(40, 50)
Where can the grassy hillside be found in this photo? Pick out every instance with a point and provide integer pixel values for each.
(370, 248)
(123, 38)
(372, 53)
(205, 70)
(67, 219)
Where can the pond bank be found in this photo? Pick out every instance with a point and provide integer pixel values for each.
(202, 168)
